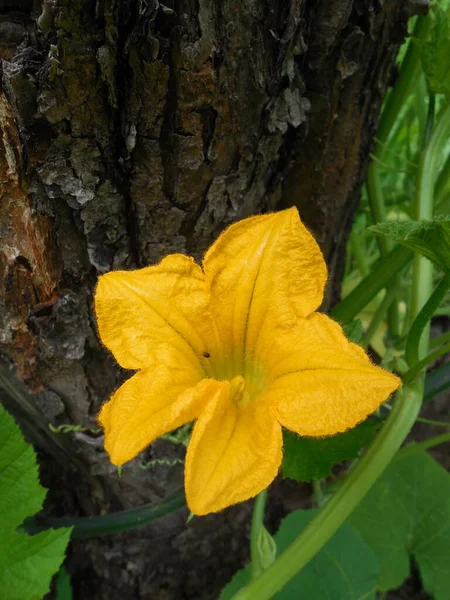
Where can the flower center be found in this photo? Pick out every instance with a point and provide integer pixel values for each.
(239, 394)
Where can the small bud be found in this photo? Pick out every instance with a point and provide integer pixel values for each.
(267, 548)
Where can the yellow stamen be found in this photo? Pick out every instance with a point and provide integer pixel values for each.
(239, 394)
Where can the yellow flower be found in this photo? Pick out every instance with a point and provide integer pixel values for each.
(237, 347)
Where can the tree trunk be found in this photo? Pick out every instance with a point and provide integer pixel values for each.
(132, 129)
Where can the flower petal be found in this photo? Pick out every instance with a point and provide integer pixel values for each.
(312, 343)
(147, 405)
(267, 266)
(234, 452)
(140, 313)
(320, 383)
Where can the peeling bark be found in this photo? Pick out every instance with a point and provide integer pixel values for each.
(130, 130)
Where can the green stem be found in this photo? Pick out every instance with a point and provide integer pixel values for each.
(432, 422)
(359, 253)
(377, 207)
(107, 524)
(422, 419)
(318, 493)
(423, 209)
(333, 514)
(419, 109)
(257, 522)
(440, 339)
(421, 323)
(440, 189)
(417, 368)
(383, 271)
(430, 119)
(430, 443)
(409, 73)
(389, 168)
(379, 315)
(429, 164)
(378, 210)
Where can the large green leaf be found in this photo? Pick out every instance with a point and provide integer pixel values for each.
(345, 569)
(305, 459)
(27, 563)
(429, 238)
(407, 515)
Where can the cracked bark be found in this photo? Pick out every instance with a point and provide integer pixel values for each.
(133, 129)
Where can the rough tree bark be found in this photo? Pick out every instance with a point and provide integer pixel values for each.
(131, 129)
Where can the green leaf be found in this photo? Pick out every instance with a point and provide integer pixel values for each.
(406, 515)
(435, 52)
(267, 548)
(305, 459)
(345, 569)
(27, 563)
(63, 587)
(429, 238)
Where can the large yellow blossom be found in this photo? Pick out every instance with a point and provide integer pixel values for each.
(237, 347)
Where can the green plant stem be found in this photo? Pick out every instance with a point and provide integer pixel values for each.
(430, 119)
(425, 445)
(378, 210)
(440, 339)
(257, 522)
(381, 275)
(419, 332)
(379, 315)
(377, 207)
(421, 322)
(422, 419)
(417, 368)
(333, 514)
(318, 493)
(423, 209)
(432, 422)
(359, 253)
(440, 189)
(389, 168)
(410, 70)
(106, 524)
(419, 109)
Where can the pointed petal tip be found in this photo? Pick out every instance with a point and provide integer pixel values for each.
(390, 381)
(145, 407)
(233, 454)
(202, 505)
(119, 453)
